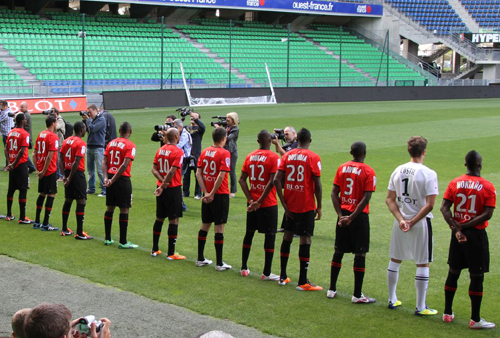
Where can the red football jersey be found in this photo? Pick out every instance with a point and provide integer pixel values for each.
(45, 142)
(259, 165)
(470, 194)
(117, 151)
(212, 161)
(167, 157)
(354, 179)
(299, 167)
(18, 138)
(71, 148)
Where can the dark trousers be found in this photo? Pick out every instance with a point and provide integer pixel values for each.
(186, 181)
(232, 173)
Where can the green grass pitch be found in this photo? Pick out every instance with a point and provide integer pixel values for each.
(452, 128)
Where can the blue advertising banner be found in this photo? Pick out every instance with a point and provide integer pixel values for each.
(323, 7)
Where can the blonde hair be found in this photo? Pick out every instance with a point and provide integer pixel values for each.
(234, 116)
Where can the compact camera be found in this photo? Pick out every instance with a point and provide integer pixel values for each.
(83, 326)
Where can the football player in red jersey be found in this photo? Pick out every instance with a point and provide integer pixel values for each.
(72, 165)
(16, 151)
(214, 165)
(116, 166)
(259, 168)
(167, 167)
(45, 157)
(473, 199)
(301, 170)
(353, 186)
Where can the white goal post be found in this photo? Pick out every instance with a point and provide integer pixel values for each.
(228, 101)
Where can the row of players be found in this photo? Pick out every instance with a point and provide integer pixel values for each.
(295, 179)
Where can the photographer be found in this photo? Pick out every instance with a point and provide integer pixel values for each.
(185, 143)
(54, 321)
(96, 140)
(24, 109)
(232, 136)
(290, 139)
(60, 132)
(6, 121)
(196, 130)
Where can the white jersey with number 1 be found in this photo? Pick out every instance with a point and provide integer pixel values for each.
(413, 182)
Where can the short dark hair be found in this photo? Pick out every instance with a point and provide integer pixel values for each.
(19, 118)
(303, 136)
(49, 120)
(17, 322)
(358, 149)
(4, 103)
(218, 134)
(173, 117)
(48, 321)
(78, 127)
(472, 159)
(93, 107)
(263, 136)
(416, 146)
(125, 127)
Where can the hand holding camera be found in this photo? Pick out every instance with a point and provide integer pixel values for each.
(221, 121)
(90, 327)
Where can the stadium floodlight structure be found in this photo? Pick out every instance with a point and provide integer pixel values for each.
(229, 101)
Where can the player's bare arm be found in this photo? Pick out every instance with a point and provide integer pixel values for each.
(46, 164)
(336, 201)
(429, 205)
(318, 192)
(20, 154)
(74, 169)
(347, 220)
(269, 186)
(448, 216)
(279, 190)
(244, 187)
(120, 171)
(485, 216)
(394, 209)
(201, 181)
(104, 167)
(210, 197)
(156, 172)
(166, 181)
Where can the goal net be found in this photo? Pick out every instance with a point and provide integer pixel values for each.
(229, 101)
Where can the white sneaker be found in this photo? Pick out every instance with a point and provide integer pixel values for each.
(482, 324)
(203, 262)
(223, 267)
(245, 272)
(362, 300)
(331, 294)
(271, 276)
(197, 197)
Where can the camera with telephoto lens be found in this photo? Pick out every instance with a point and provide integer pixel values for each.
(222, 121)
(157, 136)
(83, 326)
(48, 111)
(83, 113)
(185, 111)
(278, 134)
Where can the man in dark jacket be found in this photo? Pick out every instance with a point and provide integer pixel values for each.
(196, 129)
(96, 127)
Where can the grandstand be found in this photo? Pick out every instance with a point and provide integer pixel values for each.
(124, 54)
(48, 55)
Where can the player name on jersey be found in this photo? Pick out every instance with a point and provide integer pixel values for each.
(258, 158)
(407, 171)
(469, 185)
(210, 153)
(297, 157)
(165, 152)
(352, 170)
(120, 145)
